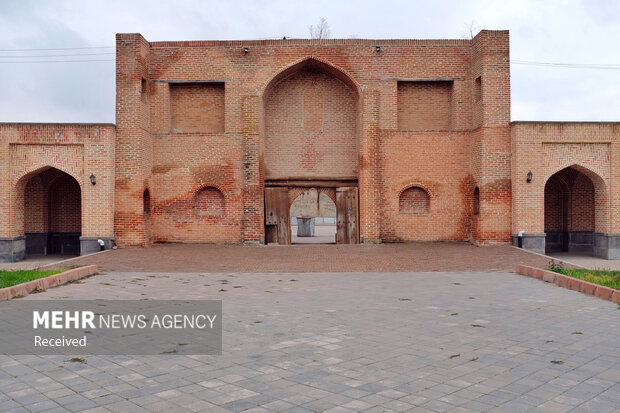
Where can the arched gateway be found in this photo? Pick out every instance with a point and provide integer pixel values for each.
(311, 139)
(49, 212)
(575, 210)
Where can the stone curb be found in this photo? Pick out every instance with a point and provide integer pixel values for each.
(606, 293)
(42, 284)
(51, 265)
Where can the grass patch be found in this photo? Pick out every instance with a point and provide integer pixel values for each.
(601, 277)
(11, 278)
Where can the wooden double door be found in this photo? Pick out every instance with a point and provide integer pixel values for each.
(278, 215)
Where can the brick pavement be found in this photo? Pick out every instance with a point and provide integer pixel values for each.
(448, 256)
(346, 342)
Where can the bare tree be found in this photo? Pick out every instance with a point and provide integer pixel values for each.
(320, 31)
(471, 29)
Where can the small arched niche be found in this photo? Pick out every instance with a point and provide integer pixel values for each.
(476, 205)
(146, 210)
(51, 213)
(209, 202)
(414, 200)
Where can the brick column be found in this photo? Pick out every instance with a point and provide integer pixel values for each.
(490, 147)
(253, 180)
(370, 201)
(133, 142)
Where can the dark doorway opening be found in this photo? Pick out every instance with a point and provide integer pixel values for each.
(52, 213)
(569, 212)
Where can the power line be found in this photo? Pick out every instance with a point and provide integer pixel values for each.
(60, 48)
(59, 61)
(58, 55)
(568, 65)
(515, 62)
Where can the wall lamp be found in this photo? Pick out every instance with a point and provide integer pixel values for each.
(377, 49)
(529, 177)
(92, 179)
(246, 50)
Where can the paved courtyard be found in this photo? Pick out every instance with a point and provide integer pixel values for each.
(346, 342)
(420, 256)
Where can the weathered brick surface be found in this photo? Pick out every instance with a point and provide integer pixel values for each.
(310, 128)
(308, 109)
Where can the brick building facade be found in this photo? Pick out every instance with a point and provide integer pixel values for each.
(214, 140)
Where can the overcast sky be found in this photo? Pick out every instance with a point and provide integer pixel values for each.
(573, 32)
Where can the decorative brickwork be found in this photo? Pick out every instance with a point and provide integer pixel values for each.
(592, 156)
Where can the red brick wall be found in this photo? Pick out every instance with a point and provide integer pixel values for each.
(438, 163)
(209, 202)
(582, 204)
(197, 107)
(36, 211)
(490, 157)
(134, 141)
(316, 109)
(177, 181)
(555, 206)
(312, 109)
(310, 128)
(65, 205)
(424, 106)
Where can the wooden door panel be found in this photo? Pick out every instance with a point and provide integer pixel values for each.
(347, 216)
(277, 216)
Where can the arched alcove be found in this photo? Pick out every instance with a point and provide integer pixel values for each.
(414, 200)
(310, 129)
(571, 211)
(147, 216)
(50, 212)
(209, 202)
(476, 203)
